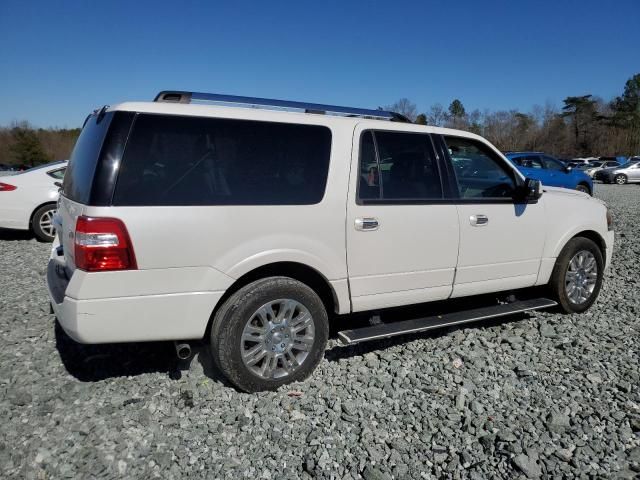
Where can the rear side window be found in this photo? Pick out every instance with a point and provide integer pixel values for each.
(78, 178)
(399, 167)
(173, 160)
(529, 161)
(57, 174)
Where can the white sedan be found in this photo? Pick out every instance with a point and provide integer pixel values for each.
(28, 199)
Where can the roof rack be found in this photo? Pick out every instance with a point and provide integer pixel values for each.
(189, 97)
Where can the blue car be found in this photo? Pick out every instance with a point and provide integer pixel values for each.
(550, 171)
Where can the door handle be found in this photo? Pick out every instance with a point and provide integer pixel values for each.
(478, 220)
(366, 224)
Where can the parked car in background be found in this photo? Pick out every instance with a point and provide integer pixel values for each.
(627, 173)
(577, 162)
(28, 199)
(594, 167)
(550, 171)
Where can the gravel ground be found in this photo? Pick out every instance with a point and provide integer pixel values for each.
(540, 395)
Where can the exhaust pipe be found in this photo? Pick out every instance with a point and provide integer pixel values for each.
(183, 350)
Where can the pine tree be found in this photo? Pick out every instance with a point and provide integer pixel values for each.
(456, 109)
(26, 148)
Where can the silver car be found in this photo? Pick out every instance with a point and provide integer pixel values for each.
(627, 173)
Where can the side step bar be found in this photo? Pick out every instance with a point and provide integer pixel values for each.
(385, 330)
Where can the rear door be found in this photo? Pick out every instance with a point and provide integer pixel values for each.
(402, 235)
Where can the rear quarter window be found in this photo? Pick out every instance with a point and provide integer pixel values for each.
(174, 160)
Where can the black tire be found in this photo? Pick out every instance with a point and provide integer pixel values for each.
(583, 187)
(39, 216)
(620, 179)
(557, 282)
(230, 320)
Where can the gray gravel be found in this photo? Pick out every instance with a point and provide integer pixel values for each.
(537, 396)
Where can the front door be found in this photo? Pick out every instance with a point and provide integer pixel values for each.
(501, 241)
(402, 235)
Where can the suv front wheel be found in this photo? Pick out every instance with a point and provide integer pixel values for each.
(269, 333)
(577, 275)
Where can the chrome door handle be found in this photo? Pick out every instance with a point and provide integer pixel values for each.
(478, 220)
(367, 223)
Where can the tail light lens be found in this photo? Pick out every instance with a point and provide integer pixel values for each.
(103, 244)
(5, 187)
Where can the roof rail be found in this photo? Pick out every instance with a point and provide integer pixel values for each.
(189, 97)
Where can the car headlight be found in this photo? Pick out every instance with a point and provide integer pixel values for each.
(609, 220)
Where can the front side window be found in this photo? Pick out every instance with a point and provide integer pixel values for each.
(553, 164)
(398, 166)
(480, 172)
(174, 160)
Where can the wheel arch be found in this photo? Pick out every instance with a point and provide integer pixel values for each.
(298, 271)
(585, 184)
(595, 237)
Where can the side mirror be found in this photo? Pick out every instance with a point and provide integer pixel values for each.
(568, 168)
(531, 190)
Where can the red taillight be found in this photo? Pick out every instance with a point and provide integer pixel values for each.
(103, 244)
(5, 187)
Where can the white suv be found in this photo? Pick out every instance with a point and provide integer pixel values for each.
(181, 220)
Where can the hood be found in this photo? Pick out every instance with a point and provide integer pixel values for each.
(566, 192)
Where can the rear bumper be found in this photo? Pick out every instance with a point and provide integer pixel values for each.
(179, 316)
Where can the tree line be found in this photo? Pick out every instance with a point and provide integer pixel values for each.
(585, 125)
(21, 144)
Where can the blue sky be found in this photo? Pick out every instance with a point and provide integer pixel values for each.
(61, 59)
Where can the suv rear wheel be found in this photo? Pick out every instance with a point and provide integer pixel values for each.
(42, 223)
(577, 275)
(269, 333)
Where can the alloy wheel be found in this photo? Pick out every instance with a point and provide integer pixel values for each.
(277, 339)
(581, 277)
(46, 223)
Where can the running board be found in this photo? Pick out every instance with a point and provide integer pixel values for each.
(386, 330)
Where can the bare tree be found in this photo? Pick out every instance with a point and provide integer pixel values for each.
(405, 107)
(437, 115)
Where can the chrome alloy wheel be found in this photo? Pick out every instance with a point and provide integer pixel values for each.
(581, 277)
(277, 338)
(46, 223)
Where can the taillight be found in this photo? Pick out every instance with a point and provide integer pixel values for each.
(103, 244)
(5, 187)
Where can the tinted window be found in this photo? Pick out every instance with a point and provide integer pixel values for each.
(480, 172)
(172, 160)
(369, 180)
(82, 164)
(404, 168)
